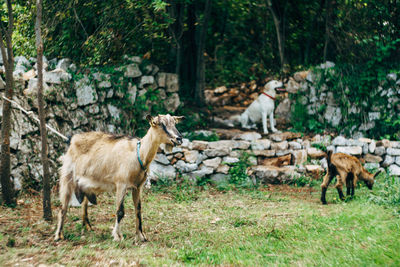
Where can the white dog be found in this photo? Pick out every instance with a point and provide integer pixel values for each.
(262, 107)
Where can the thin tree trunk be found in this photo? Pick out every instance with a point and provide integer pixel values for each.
(8, 58)
(200, 63)
(327, 18)
(47, 214)
(279, 34)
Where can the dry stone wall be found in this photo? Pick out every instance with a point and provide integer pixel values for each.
(79, 100)
(275, 159)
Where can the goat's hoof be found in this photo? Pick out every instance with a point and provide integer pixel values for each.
(142, 237)
(58, 237)
(274, 130)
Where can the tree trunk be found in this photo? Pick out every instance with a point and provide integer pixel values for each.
(327, 21)
(8, 58)
(279, 33)
(47, 214)
(200, 63)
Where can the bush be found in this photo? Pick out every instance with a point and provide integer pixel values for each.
(387, 191)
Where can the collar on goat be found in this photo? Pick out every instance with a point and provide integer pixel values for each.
(138, 155)
(273, 98)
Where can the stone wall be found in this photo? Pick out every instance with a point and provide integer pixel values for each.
(334, 110)
(79, 100)
(275, 159)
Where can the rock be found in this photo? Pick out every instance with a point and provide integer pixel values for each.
(185, 167)
(31, 90)
(299, 157)
(292, 86)
(29, 75)
(264, 153)
(393, 151)
(283, 152)
(380, 150)
(103, 80)
(171, 82)
(278, 137)
(161, 158)
(219, 178)
(315, 153)
(394, 170)
(389, 160)
(93, 109)
(223, 169)
(151, 69)
(229, 144)
(280, 145)
(373, 116)
(172, 103)
(300, 75)
(384, 142)
(278, 161)
(114, 112)
(132, 71)
(160, 79)
(134, 59)
(282, 111)
(146, 80)
(73, 67)
(248, 136)
(212, 163)
(230, 160)
(352, 142)
(294, 145)
(63, 64)
(85, 92)
(261, 144)
(203, 171)
(372, 158)
(395, 144)
(273, 175)
(199, 145)
(397, 161)
(22, 61)
(350, 150)
(220, 90)
(371, 165)
(56, 76)
(211, 153)
(333, 115)
(372, 146)
(157, 170)
(339, 141)
(79, 118)
(327, 65)
(315, 170)
(391, 76)
(132, 89)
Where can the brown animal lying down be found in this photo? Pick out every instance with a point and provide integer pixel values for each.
(349, 170)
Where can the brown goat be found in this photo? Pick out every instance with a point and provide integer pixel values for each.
(96, 162)
(349, 170)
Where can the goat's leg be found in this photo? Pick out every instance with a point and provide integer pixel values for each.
(271, 121)
(65, 197)
(85, 219)
(349, 185)
(138, 210)
(121, 190)
(339, 184)
(327, 180)
(354, 184)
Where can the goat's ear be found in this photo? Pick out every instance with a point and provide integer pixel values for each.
(150, 119)
(178, 118)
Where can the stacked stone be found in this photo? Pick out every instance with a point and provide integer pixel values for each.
(74, 105)
(275, 160)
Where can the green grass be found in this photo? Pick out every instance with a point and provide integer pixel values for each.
(279, 225)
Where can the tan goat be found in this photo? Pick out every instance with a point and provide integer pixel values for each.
(96, 162)
(349, 170)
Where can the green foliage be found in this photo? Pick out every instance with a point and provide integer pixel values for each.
(182, 189)
(201, 136)
(302, 181)
(238, 172)
(320, 146)
(387, 191)
(358, 90)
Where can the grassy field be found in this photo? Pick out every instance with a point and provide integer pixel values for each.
(278, 225)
